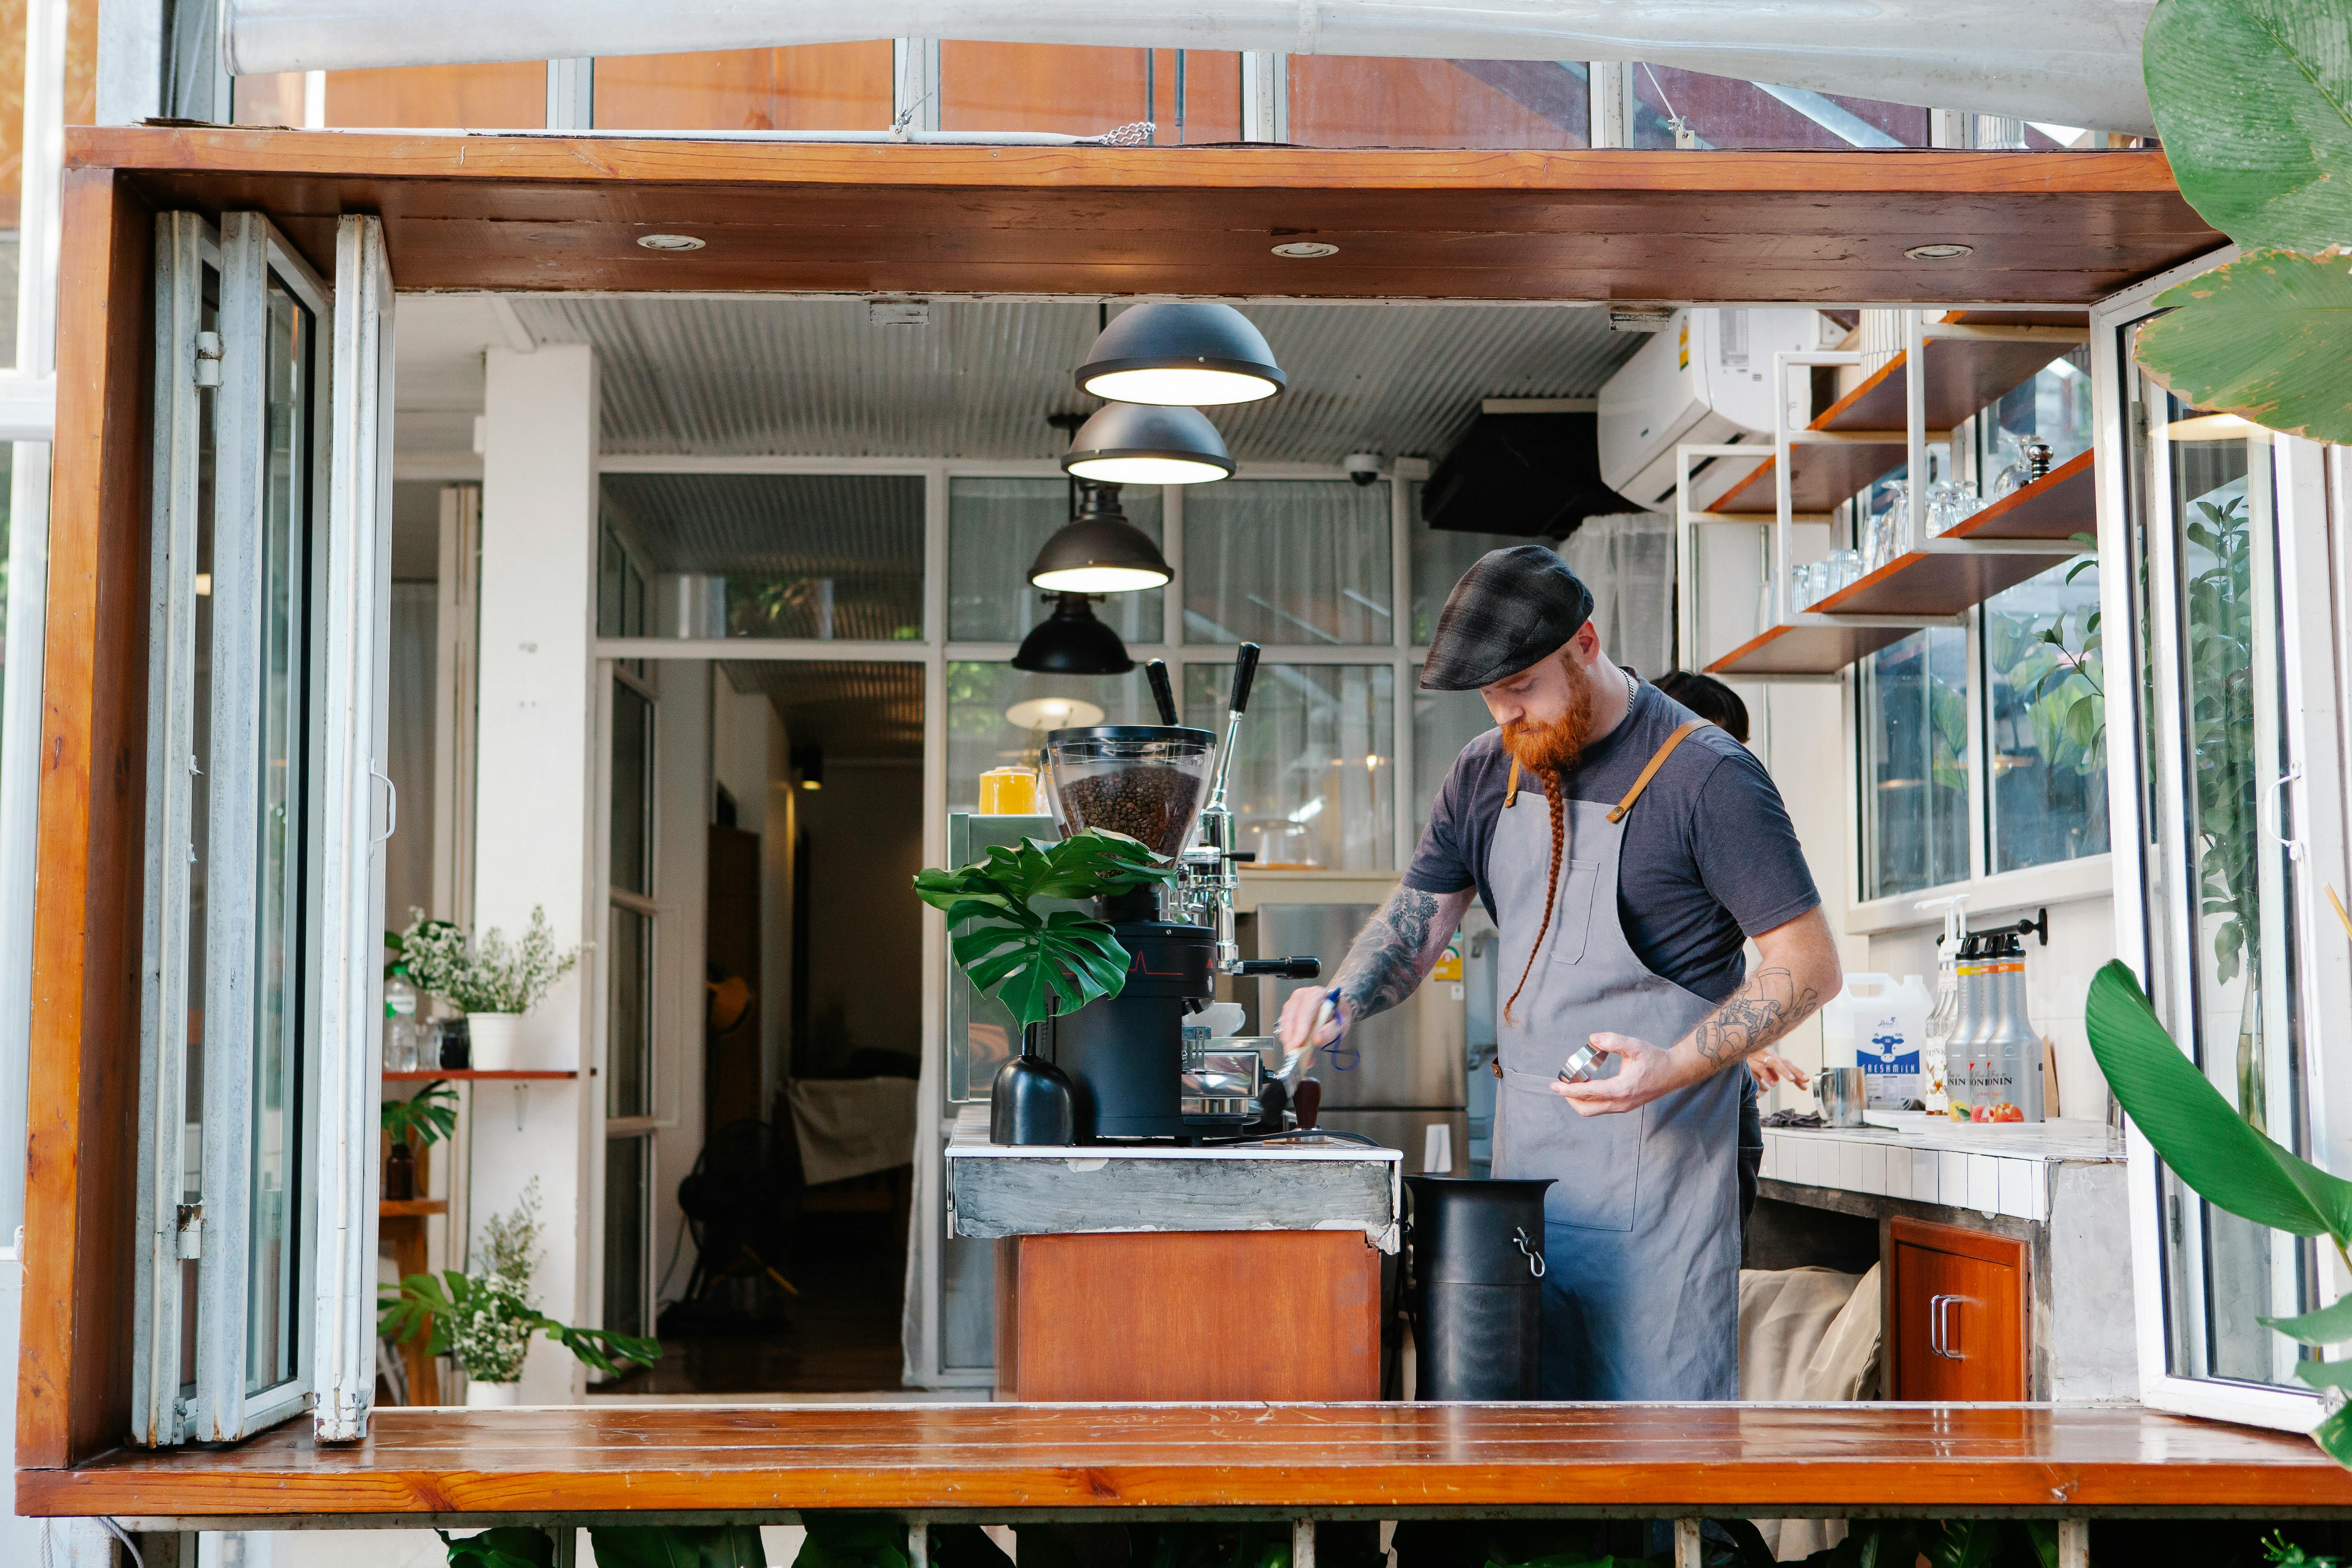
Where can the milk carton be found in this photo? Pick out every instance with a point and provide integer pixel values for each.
(1879, 1025)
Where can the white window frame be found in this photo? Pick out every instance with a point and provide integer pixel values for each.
(2313, 666)
(246, 255)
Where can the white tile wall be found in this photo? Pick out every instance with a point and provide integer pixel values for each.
(2010, 1178)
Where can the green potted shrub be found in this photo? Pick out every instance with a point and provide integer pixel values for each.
(485, 1321)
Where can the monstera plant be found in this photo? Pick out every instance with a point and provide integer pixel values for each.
(2253, 98)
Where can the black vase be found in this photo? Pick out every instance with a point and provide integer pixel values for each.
(1030, 1103)
(1476, 1292)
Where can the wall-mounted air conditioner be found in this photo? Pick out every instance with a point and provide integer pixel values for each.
(1705, 379)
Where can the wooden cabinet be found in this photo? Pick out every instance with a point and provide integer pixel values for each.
(1956, 1314)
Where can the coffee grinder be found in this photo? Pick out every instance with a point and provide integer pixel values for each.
(1124, 1055)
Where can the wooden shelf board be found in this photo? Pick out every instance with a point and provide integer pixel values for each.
(474, 1075)
(1962, 375)
(1805, 651)
(1094, 1460)
(408, 1208)
(2059, 505)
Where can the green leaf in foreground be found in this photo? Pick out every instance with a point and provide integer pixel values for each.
(2252, 97)
(2327, 1326)
(2267, 337)
(509, 1546)
(2199, 1133)
(678, 1546)
(2334, 1435)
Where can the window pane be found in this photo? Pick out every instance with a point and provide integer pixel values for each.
(633, 739)
(821, 556)
(816, 87)
(1442, 723)
(512, 96)
(200, 813)
(2046, 719)
(272, 1278)
(1439, 558)
(2055, 406)
(1344, 101)
(996, 528)
(628, 1222)
(982, 734)
(628, 1019)
(2234, 888)
(11, 166)
(1312, 782)
(1724, 111)
(1287, 561)
(1915, 760)
(1078, 90)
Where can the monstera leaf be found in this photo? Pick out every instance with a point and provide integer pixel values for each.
(1037, 962)
(2267, 337)
(2254, 101)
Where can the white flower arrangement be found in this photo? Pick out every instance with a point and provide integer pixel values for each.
(485, 975)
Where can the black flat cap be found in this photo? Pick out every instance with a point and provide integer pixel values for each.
(1511, 608)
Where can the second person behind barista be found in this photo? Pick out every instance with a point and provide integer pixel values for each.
(1626, 849)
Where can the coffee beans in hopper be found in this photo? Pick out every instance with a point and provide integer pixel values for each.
(1152, 804)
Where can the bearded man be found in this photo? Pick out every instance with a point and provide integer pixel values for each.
(1626, 849)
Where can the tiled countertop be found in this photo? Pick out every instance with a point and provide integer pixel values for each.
(1998, 1169)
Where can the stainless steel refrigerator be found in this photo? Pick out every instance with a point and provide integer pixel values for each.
(1400, 1079)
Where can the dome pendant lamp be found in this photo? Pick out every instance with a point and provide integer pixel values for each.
(1141, 444)
(1070, 641)
(1181, 355)
(1098, 550)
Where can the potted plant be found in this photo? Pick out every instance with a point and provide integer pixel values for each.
(485, 1321)
(1040, 963)
(492, 981)
(424, 1118)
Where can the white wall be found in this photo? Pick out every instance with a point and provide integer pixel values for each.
(1794, 728)
(533, 837)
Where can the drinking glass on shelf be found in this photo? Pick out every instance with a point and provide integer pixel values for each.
(1804, 585)
(1845, 566)
(2012, 445)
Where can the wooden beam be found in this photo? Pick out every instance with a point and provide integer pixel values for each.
(1388, 1460)
(565, 213)
(73, 1391)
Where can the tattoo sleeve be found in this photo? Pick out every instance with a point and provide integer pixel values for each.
(1767, 1007)
(1395, 951)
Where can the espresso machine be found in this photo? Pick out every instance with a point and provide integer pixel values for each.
(1125, 1055)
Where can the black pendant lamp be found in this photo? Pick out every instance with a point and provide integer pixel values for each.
(1191, 355)
(1098, 550)
(1139, 444)
(1070, 641)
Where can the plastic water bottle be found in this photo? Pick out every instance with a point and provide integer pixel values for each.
(400, 1028)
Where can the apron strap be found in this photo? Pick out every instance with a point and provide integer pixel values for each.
(1617, 813)
(1511, 788)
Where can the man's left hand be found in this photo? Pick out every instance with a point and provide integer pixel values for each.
(1645, 1072)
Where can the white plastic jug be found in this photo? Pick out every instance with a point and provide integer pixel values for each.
(1879, 1025)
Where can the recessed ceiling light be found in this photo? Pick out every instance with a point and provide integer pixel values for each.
(1305, 250)
(1938, 252)
(669, 242)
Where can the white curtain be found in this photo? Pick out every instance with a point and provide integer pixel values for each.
(408, 858)
(1628, 561)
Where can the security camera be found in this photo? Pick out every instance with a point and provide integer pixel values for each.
(1363, 466)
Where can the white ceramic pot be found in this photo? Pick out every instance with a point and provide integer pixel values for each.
(492, 1396)
(497, 1041)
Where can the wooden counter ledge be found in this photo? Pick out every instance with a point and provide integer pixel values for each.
(1376, 1460)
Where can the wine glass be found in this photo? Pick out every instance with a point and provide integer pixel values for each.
(2013, 473)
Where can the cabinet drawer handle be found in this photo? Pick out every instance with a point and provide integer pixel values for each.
(1940, 1326)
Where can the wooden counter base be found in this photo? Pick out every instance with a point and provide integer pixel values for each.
(1188, 1315)
(1385, 1461)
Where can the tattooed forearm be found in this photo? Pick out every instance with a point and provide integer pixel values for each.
(1395, 951)
(1768, 1007)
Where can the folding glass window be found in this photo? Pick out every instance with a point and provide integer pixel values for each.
(1306, 563)
(629, 965)
(1314, 774)
(230, 1013)
(996, 528)
(1913, 762)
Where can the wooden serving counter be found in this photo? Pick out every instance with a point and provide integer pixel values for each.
(1001, 1462)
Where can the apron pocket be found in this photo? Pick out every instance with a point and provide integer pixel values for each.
(1571, 911)
(1595, 1161)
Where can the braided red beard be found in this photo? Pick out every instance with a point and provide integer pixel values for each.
(1555, 746)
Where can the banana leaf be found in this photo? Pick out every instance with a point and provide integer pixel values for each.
(2200, 1135)
(2267, 337)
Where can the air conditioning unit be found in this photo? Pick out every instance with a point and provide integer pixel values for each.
(1706, 379)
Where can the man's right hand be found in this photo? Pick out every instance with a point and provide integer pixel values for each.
(1298, 1020)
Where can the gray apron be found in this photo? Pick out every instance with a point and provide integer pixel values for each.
(1641, 1222)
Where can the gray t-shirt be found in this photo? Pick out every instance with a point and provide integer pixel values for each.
(1709, 856)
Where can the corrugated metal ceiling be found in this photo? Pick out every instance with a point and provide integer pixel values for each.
(817, 378)
(862, 710)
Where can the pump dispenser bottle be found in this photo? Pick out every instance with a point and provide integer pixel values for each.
(2009, 1050)
(1960, 1051)
(1944, 1016)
